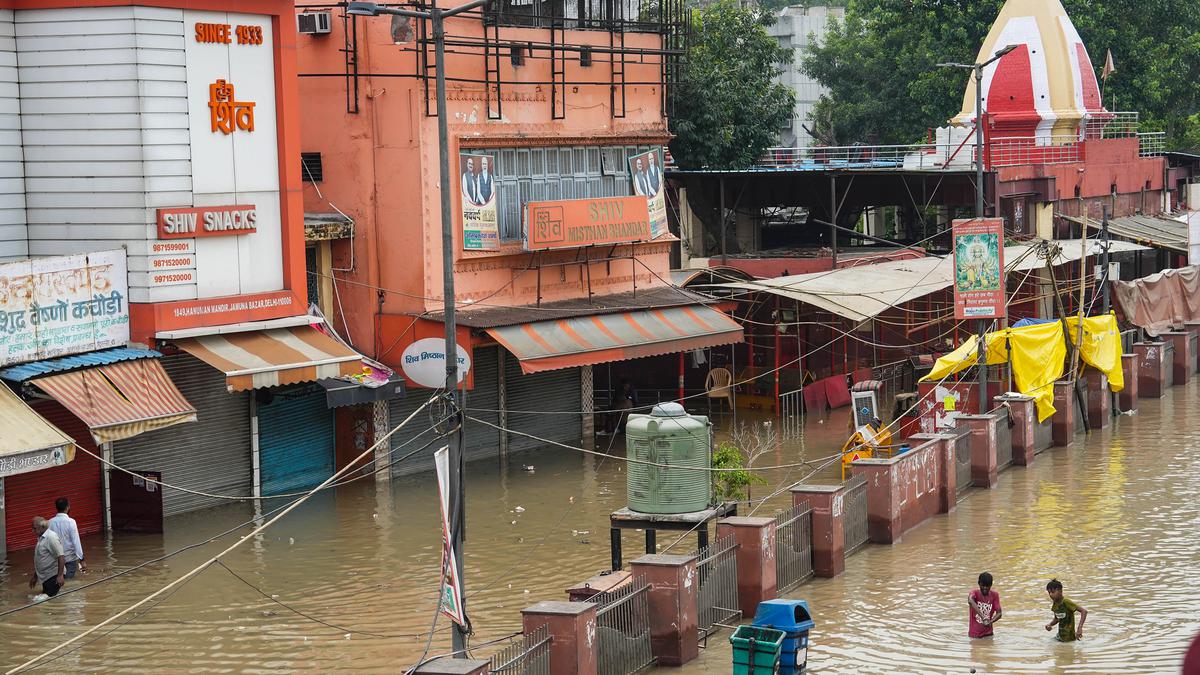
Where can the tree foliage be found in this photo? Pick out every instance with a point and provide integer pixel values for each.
(726, 107)
(879, 64)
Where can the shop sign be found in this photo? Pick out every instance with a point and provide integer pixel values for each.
(207, 221)
(477, 198)
(63, 305)
(646, 172)
(572, 223)
(11, 465)
(979, 268)
(226, 113)
(424, 362)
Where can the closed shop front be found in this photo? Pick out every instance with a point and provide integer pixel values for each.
(296, 438)
(545, 404)
(209, 455)
(32, 494)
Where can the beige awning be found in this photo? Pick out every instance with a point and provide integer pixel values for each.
(29, 442)
(270, 358)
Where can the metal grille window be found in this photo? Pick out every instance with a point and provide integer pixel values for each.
(311, 168)
(534, 174)
(310, 275)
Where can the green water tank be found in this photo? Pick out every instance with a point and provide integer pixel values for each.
(669, 436)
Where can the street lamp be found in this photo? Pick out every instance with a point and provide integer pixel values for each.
(437, 16)
(978, 69)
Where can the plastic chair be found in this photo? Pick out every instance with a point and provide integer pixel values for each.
(719, 385)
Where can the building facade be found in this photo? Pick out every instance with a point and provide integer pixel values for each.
(797, 28)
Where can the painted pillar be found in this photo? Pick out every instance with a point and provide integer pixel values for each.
(947, 486)
(984, 468)
(755, 538)
(255, 455)
(883, 498)
(106, 483)
(1022, 412)
(572, 627)
(381, 421)
(674, 614)
(1066, 409)
(448, 665)
(1152, 375)
(1099, 398)
(1127, 397)
(1184, 361)
(829, 537)
(587, 401)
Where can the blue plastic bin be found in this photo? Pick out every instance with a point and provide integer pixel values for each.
(791, 617)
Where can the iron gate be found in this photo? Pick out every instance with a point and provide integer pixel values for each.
(854, 518)
(530, 656)
(793, 547)
(791, 413)
(623, 629)
(717, 597)
(962, 463)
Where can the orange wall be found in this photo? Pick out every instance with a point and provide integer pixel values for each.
(1108, 162)
(381, 167)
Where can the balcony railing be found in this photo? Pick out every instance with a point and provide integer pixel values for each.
(1152, 143)
(1017, 151)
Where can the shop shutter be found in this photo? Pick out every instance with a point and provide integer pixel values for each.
(545, 402)
(296, 439)
(413, 436)
(32, 494)
(210, 455)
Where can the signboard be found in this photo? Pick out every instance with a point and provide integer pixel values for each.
(571, 223)
(207, 221)
(11, 465)
(63, 305)
(450, 600)
(481, 231)
(979, 268)
(646, 172)
(424, 362)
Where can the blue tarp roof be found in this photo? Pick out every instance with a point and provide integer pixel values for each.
(26, 371)
(1032, 322)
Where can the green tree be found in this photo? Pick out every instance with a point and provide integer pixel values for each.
(879, 64)
(726, 107)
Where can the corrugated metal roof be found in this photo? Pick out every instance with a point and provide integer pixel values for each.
(26, 371)
(860, 293)
(484, 316)
(1150, 230)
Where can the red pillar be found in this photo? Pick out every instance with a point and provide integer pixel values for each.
(1184, 361)
(674, 631)
(1065, 410)
(984, 470)
(1151, 369)
(1099, 398)
(1127, 397)
(572, 626)
(829, 539)
(755, 559)
(1023, 413)
(947, 482)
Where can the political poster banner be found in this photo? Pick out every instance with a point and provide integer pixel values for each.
(645, 170)
(477, 185)
(979, 268)
(451, 601)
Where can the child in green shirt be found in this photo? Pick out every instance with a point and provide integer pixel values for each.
(1064, 613)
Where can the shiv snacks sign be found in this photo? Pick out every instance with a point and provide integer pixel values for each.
(207, 221)
(571, 223)
(63, 305)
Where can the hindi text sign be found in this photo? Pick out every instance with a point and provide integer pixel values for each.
(571, 223)
(979, 268)
(646, 172)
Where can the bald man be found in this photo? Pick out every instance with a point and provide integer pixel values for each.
(49, 562)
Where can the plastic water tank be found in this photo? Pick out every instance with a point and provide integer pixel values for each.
(669, 436)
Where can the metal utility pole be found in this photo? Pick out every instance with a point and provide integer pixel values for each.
(977, 70)
(437, 16)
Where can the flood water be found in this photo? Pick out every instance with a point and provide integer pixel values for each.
(1114, 517)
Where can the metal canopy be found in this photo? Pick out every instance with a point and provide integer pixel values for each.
(860, 293)
(1150, 230)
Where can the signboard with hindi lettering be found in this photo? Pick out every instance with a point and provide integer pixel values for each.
(572, 223)
(646, 172)
(63, 305)
(979, 268)
(481, 231)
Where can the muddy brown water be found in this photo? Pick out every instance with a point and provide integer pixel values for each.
(1115, 517)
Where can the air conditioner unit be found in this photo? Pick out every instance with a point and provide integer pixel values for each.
(314, 23)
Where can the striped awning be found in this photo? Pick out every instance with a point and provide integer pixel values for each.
(28, 442)
(120, 400)
(587, 340)
(269, 358)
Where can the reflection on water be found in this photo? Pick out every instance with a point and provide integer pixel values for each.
(1100, 516)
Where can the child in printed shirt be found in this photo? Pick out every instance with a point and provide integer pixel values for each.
(1064, 614)
(985, 607)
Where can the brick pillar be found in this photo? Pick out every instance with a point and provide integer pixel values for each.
(1066, 409)
(1193, 327)
(1184, 361)
(572, 626)
(451, 666)
(883, 498)
(947, 469)
(984, 469)
(755, 538)
(1127, 397)
(829, 537)
(1151, 369)
(674, 632)
(1023, 413)
(1099, 398)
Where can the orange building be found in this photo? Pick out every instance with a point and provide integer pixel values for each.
(556, 109)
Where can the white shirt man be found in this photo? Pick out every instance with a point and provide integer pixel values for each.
(67, 530)
(49, 567)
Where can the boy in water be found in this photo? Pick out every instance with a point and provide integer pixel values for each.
(1064, 613)
(985, 607)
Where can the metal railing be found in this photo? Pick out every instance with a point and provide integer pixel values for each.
(962, 464)
(1111, 125)
(717, 596)
(854, 514)
(623, 629)
(791, 414)
(1004, 455)
(1152, 143)
(530, 656)
(847, 155)
(793, 547)
(1027, 150)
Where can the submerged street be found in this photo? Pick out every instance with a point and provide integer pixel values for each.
(1112, 516)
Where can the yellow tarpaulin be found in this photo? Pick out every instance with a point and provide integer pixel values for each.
(1038, 353)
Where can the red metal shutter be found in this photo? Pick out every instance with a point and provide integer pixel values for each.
(32, 494)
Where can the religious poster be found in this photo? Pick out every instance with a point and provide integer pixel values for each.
(481, 231)
(63, 305)
(646, 172)
(979, 268)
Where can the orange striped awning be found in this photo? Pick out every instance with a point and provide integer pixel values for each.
(120, 400)
(269, 358)
(587, 340)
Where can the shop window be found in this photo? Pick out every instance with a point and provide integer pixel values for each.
(312, 281)
(311, 169)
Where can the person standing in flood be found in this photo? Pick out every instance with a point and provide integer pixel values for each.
(1064, 614)
(49, 565)
(985, 607)
(68, 535)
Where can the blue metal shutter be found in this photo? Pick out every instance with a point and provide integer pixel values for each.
(295, 439)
